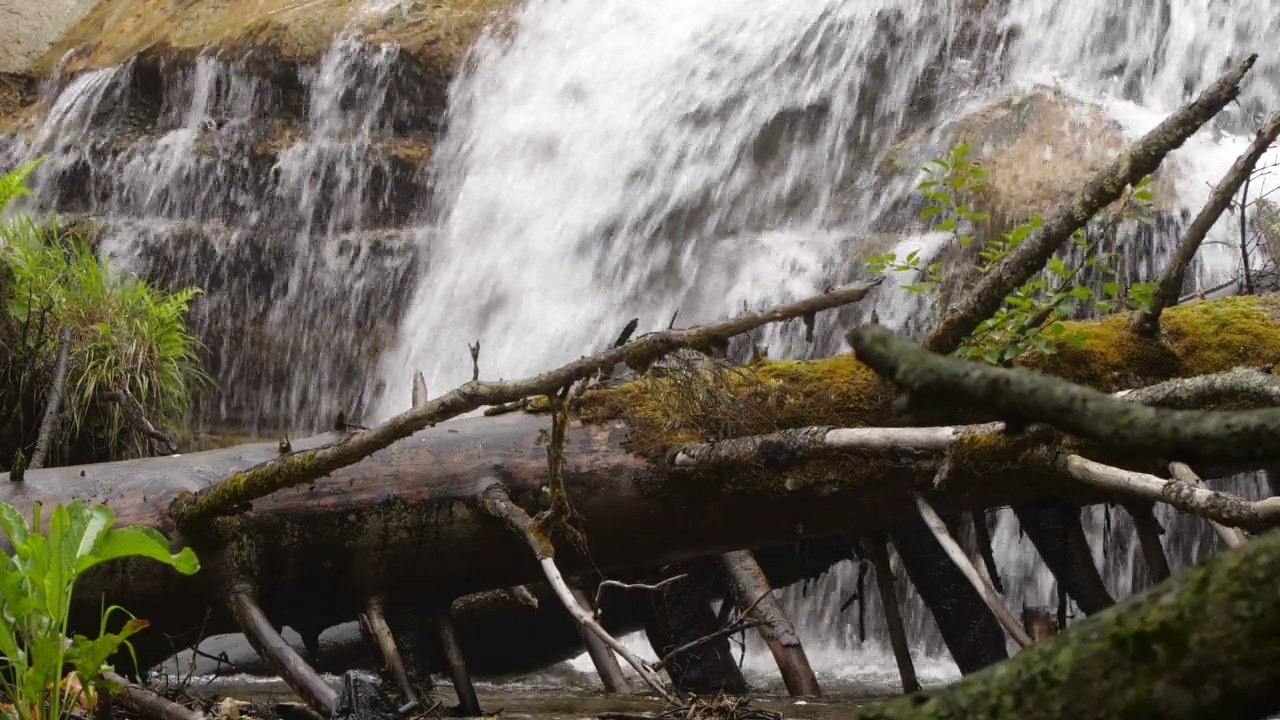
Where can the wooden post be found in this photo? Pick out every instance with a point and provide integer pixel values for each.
(468, 703)
(601, 656)
(1149, 532)
(374, 622)
(747, 585)
(280, 657)
(874, 548)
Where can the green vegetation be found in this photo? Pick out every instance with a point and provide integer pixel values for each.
(128, 340)
(35, 602)
(1032, 317)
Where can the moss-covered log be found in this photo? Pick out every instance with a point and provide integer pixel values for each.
(405, 523)
(1204, 644)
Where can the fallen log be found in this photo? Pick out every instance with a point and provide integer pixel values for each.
(405, 520)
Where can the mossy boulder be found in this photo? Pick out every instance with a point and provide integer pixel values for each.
(665, 413)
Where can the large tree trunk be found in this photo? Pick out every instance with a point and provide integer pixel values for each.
(404, 523)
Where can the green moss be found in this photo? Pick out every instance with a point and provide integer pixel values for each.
(1195, 339)
(664, 413)
(687, 407)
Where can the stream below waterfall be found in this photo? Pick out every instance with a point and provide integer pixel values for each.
(608, 159)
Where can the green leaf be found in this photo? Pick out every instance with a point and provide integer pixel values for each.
(142, 542)
(947, 225)
(929, 212)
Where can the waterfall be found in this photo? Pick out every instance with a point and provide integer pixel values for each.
(612, 159)
(601, 160)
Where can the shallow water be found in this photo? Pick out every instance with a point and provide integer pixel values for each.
(569, 701)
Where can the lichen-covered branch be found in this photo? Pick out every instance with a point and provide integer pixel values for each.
(1140, 160)
(1234, 389)
(1233, 537)
(302, 467)
(1203, 644)
(1226, 509)
(1015, 395)
(1170, 285)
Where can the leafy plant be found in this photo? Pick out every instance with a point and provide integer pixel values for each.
(36, 584)
(1031, 316)
(127, 336)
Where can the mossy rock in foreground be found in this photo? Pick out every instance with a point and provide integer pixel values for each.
(666, 413)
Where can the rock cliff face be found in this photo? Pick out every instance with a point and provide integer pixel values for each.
(273, 153)
(27, 29)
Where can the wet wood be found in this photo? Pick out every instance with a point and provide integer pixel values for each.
(374, 623)
(468, 703)
(749, 587)
(606, 663)
(1149, 532)
(273, 648)
(147, 703)
(878, 554)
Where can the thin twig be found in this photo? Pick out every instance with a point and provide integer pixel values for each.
(740, 624)
(634, 586)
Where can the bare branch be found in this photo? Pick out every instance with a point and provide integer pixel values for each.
(303, 467)
(957, 555)
(1223, 508)
(496, 502)
(1170, 285)
(1140, 160)
(137, 417)
(1233, 537)
(50, 420)
(739, 624)
(634, 586)
(1026, 397)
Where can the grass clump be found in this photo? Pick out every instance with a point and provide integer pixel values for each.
(129, 341)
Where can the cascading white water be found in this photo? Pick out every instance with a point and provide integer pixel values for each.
(612, 159)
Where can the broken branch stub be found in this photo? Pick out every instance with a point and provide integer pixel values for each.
(1140, 160)
(303, 467)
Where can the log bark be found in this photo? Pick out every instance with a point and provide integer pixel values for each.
(1233, 537)
(374, 622)
(681, 614)
(1149, 531)
(971, 633)
(1204, 644)
(282, 658)
(747, 586)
